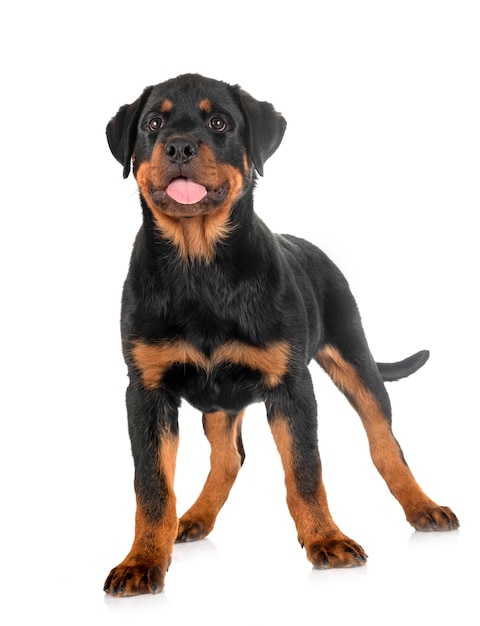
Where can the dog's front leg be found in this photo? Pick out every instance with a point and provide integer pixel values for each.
(293, 422)
(153, 428)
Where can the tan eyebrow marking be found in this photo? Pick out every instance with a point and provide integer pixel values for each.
(166, 106)
(206, 105)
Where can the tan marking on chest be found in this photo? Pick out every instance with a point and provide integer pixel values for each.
(153, 360)
(272, 361)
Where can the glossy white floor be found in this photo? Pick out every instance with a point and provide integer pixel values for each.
(379, 167)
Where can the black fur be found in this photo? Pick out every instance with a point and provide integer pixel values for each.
(213, 316)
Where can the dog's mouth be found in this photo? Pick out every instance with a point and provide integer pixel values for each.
(185, 191)
(189, 196)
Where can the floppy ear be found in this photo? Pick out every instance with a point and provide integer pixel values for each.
(265, 128)
(122, 131)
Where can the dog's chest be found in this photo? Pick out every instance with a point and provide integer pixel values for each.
(228, 376)
(234, 368)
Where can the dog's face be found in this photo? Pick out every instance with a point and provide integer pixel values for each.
(195, 144)
(189, 156)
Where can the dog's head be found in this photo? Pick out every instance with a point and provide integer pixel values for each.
(195, 144)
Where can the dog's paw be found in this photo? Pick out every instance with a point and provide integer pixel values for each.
(133, 580)
(192, 530)
(336, 552)
(436, 518)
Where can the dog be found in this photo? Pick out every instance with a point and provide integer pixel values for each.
(221, 312)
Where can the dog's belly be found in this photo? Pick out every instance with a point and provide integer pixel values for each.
(225, 388)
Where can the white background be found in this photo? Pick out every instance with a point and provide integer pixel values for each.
(379, 167)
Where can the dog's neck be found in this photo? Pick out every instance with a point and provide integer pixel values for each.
(211, 239)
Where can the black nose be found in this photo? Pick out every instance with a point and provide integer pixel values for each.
(181, 148)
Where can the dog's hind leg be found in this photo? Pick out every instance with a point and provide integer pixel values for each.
(223, 431)
(366, 393)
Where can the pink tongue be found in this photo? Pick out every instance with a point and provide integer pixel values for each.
(186, 191)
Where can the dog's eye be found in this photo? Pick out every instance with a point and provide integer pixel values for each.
(155, 123)
(216, 122)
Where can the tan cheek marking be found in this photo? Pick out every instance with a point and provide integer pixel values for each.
(149, 174)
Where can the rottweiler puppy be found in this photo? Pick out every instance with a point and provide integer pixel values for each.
(221, 312)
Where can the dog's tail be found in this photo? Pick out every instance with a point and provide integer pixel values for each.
(402, 369)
